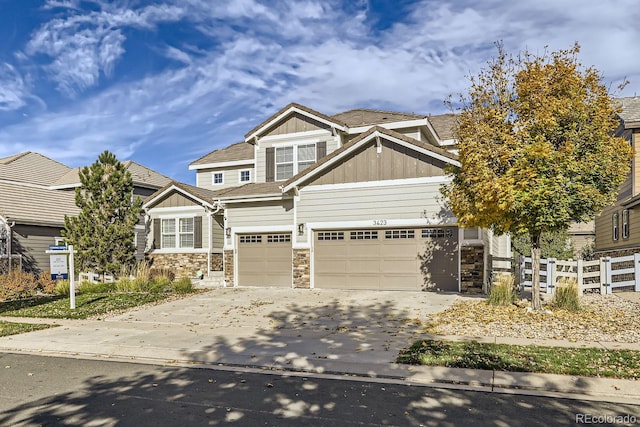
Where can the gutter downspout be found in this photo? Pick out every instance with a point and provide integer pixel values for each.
(218, 206)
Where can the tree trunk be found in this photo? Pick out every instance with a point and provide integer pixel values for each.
(536, 303)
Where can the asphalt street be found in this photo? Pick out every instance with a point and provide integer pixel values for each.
(52, 391)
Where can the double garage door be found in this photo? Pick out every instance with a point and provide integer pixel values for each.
(385, 259)
(392, 259)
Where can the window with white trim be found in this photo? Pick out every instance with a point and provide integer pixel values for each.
(614, 226)
(625, 224)
(217, 178)
(245, 176)
(181, 235)
(294, 158)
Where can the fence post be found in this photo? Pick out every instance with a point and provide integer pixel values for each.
(580, 275)
(521, 274)
(636, 267)
(605, 275)
(551, 274)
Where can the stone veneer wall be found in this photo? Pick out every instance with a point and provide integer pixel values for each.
(228, 269)
(301, 268)
(471, 269)
(615, 253)
(185, 265)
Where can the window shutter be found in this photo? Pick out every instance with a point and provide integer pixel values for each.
(271, 164)
(156, 234)
(197, 232)
(321, 150)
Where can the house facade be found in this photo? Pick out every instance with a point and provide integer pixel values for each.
(36, 193)
(308, 200)
(618, 226)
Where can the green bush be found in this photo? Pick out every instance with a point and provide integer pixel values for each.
(503, 290)
(567, 295)
(163, 283)
(87, 287)
(183, 286)
(63, 288)
(141, 285)
(17, 284)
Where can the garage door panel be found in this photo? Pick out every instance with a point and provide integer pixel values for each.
(265, 260)
(398, 259)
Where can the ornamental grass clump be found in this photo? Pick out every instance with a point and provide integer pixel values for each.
(183, 286)
(567, 294)
(503, 291)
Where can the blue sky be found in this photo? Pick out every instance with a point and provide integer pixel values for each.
(165, 82)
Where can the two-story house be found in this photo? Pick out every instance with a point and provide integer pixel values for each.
(308, 200)
(618, 226)
(36, 193)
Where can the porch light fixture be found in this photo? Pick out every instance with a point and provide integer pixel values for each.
(227, 232)
(301, 228)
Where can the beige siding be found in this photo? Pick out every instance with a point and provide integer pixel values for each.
(230, 177)
(635, 143)
(413, 132)
(604, 225)
(32, 242)
(333, 143)
(175, 200)
(394, 162)
(197, 211)
(295, 123)
(218, 233)
(408, 201)
(260, 214)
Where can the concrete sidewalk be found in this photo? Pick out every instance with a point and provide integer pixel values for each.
(355, 333)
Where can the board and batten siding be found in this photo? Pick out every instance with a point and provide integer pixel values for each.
(393, 162)
(409, 201)
(260, 214)
(295, 123)
(332, 144)
(230, 177)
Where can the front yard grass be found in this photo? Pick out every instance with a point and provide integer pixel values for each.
(11, 328)
(594, 362)
(87, 305)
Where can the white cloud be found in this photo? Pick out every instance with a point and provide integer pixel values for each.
(13, 90)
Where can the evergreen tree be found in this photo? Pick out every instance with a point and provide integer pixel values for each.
(103, 233)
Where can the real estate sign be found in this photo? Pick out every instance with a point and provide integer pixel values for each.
(58, 262)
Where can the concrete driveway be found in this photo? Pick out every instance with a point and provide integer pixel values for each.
(309, 330)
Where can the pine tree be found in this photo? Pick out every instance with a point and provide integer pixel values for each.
(103, 233)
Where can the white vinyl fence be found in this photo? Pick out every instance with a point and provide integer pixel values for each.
(604, 274)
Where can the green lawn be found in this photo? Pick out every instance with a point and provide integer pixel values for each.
(87, 305)
(502, 357)
(11, 328)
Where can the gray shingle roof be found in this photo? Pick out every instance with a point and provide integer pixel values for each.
(197, 192)
(630, 113)
(141, 175)
(234, 152)
(365, 116)
(32, 168)
(252, 189)
(443, 124)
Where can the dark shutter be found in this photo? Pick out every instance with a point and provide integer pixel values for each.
(156, 234)
(197, 232)
(271, 164)
(321, 150)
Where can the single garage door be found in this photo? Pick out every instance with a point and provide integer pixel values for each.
(392, 259)
(264, 260)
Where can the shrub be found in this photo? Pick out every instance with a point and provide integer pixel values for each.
(162, 283)
(46, 284)
(63, 288)
(17, 284)
(155, 273)
(87, 287)
(503, 290)
(183, 286)
(567, 295)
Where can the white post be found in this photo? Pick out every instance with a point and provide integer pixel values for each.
(72, 287)
(580, 275)
(605, 275)
(636, 267)
(551, 275)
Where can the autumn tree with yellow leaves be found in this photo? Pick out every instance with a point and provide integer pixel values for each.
(537, 148)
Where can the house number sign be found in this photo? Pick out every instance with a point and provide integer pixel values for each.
(379, 222)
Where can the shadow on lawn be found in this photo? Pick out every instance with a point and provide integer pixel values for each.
(300, 337)
(12, 305)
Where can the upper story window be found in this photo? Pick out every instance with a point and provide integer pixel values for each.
(292, 159)
(625, 224)
(218, 178)
(615, 233)
(245, 176)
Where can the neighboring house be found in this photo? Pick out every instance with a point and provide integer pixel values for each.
(618, 226)
(36, 194)
(345, 201)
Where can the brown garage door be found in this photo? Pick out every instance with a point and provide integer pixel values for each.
(264, 260)
(391, 259)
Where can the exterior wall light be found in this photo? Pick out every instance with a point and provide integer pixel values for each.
(301, 228)
(227, 232)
